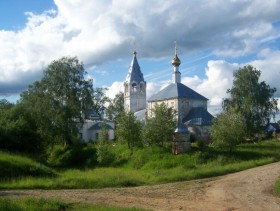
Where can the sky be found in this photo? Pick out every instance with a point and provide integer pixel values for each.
(214, 38)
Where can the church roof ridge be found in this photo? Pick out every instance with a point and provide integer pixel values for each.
(176, 90)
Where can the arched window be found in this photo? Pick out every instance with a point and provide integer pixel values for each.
(134, 87)
(142, 88)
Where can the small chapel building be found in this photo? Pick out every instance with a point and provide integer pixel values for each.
(190, 106)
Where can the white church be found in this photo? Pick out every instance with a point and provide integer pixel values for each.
(191, 107)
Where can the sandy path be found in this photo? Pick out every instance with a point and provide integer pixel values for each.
(251, 189)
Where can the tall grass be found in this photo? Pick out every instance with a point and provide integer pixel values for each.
(15, 166)
(32, 204)
(277, 187)
(154, 165)
(7, 204)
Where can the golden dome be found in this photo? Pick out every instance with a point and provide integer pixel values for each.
(176, 61)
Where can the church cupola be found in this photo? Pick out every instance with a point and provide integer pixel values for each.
(176, 75)
(134, 87)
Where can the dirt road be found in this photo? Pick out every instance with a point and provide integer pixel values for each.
(251, 189)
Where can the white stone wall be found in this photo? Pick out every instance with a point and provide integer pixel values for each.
(135, 96)
(90, 135)
(181, 106)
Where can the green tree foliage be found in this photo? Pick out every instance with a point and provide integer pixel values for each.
(17, 128)
(228, 130)
(103, 134)
(104, 153)
(5, 105)
(116, 106)
(59, 101)
(160, 127)
(129, 130)
(251, 98)
(99, 100)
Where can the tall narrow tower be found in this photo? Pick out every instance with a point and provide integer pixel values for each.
(176, 75)
(134, 88)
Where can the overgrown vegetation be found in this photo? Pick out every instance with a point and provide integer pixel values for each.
(16, 166)
(152, 165)
(32, 204)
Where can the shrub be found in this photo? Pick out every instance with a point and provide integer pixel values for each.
(76, 155)
(201, 144)
(105, 156)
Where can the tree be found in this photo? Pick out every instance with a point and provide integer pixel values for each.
(116, 106)
(251, 98)
(60, 100)
(129, 130)
(18, 129)
(159, 129)
(5, 105)
(228, 130)
(103, 135)
(99, 100)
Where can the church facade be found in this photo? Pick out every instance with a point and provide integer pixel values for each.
(190, 106)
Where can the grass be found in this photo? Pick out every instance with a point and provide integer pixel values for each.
(31, 204)
(153, 165)
(277, 187)
(15, 166)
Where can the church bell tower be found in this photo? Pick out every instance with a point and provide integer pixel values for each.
(134, 88)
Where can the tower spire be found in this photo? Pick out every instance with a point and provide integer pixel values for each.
(134, 49)
(176, 76)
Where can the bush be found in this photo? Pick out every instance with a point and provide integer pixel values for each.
(76, 155)
(201, 144)
(105, 156)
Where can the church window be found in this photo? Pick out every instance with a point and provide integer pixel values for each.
(134, 87)
(141, 88)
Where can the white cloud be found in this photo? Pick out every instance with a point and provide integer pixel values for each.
(153, 88)
(100, 31)
(269, 66)
(114, 89)
(219, 76)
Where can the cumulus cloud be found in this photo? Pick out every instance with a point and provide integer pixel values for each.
(219, 78)
(101, 31)
(114, 89)
(269, 64)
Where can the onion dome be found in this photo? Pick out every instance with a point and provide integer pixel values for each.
(176, 61)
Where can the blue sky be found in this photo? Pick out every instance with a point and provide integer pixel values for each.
(214, 38)
(12, 12)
